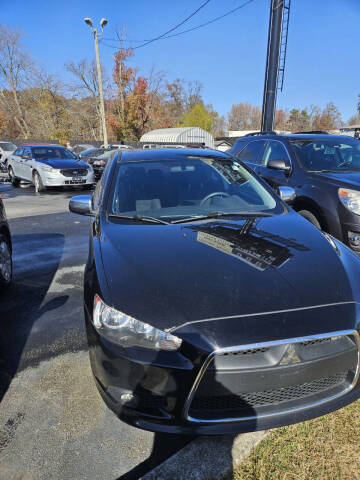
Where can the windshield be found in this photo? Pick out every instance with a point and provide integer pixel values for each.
(45, 153)
(107, 155)
(190, 186)
(93, 152)
(8, 146)
(330, 154)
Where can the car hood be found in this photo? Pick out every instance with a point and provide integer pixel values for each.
(62, 163)
(173, 276)
(7, 154)
(344, 178)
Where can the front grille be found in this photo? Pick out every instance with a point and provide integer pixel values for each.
(272, 378)
(74, 172)
(311, 343)
(246, 402)
(249, 351)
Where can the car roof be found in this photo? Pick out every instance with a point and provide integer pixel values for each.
(313, 136)
(30, 145)
(168, 154)
(294, 136)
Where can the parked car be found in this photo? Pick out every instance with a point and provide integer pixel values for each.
(323, 169)
(48, 166)
(118, 145)
(77, 149)
(6, 269)
(211, 306)
(99, 163)
(6, 149)
(91, 152)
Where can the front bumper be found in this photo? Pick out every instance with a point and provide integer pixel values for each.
(51, 179)
(156, 391)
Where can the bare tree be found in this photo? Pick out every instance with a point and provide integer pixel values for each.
(15, 68)
(85, 89)
(244, 116)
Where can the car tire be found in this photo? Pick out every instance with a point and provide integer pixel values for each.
(88, 186)
(38, 184)
(14, 181)
(6, 266)
(311, 217)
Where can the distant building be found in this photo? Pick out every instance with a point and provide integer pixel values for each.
(181, 135)
(242, 133)
(350, 130)
(223, 144)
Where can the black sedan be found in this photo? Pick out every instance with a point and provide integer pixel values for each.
(212, 307)
(85, 155)
(99, 162)
(324, 171)
(6, 269)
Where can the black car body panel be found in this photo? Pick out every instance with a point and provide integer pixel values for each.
(4, 226)
(223, 286)
(5, 232)
(316, 192)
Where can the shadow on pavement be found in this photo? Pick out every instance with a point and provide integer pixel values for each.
(36, 258)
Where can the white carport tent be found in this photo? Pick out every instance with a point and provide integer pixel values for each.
(179, 135)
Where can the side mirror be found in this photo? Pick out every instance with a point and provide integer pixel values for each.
(278, 164)
(287, 194)
(81, 204)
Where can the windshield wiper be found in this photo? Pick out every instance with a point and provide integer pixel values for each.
(195, 218)
(139, 218)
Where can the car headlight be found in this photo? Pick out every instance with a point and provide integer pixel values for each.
(129, 332)
(351, 199)
(46, 168)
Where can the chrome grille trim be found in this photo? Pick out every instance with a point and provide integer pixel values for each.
(237, 349)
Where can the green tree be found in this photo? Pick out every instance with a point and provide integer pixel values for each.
(198, 116)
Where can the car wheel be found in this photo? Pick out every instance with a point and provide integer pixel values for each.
(88, 186)
(311, 217)
(14, 181)
(38, 184)
(6, 268)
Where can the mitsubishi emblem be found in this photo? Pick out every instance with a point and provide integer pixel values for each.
(290, 356)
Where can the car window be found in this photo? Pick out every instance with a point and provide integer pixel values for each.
(189, 186)
(252, 153)
(236, 149)
(19, 151)
(7, 146)
(26, 153)
(275, 150)
(330, 154)
(92, 152)
(45, 153)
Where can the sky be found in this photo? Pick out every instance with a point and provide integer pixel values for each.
(228, 57)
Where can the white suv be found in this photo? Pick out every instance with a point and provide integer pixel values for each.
(48, 166)
(6, 149)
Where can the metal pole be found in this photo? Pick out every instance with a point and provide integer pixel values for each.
(272, 65)
(101, 95)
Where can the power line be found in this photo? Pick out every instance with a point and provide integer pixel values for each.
(207, 23)
(176, 26)
(165, 35)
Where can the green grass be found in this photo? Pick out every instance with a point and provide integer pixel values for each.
(326, 448)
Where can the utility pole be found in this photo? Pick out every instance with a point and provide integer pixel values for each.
(103, 22)
(272, 65)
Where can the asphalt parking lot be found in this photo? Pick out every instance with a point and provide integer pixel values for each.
(53, 423)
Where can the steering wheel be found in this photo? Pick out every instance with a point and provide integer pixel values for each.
(214, 194)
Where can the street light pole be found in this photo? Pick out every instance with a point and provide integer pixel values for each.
(103, 22)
